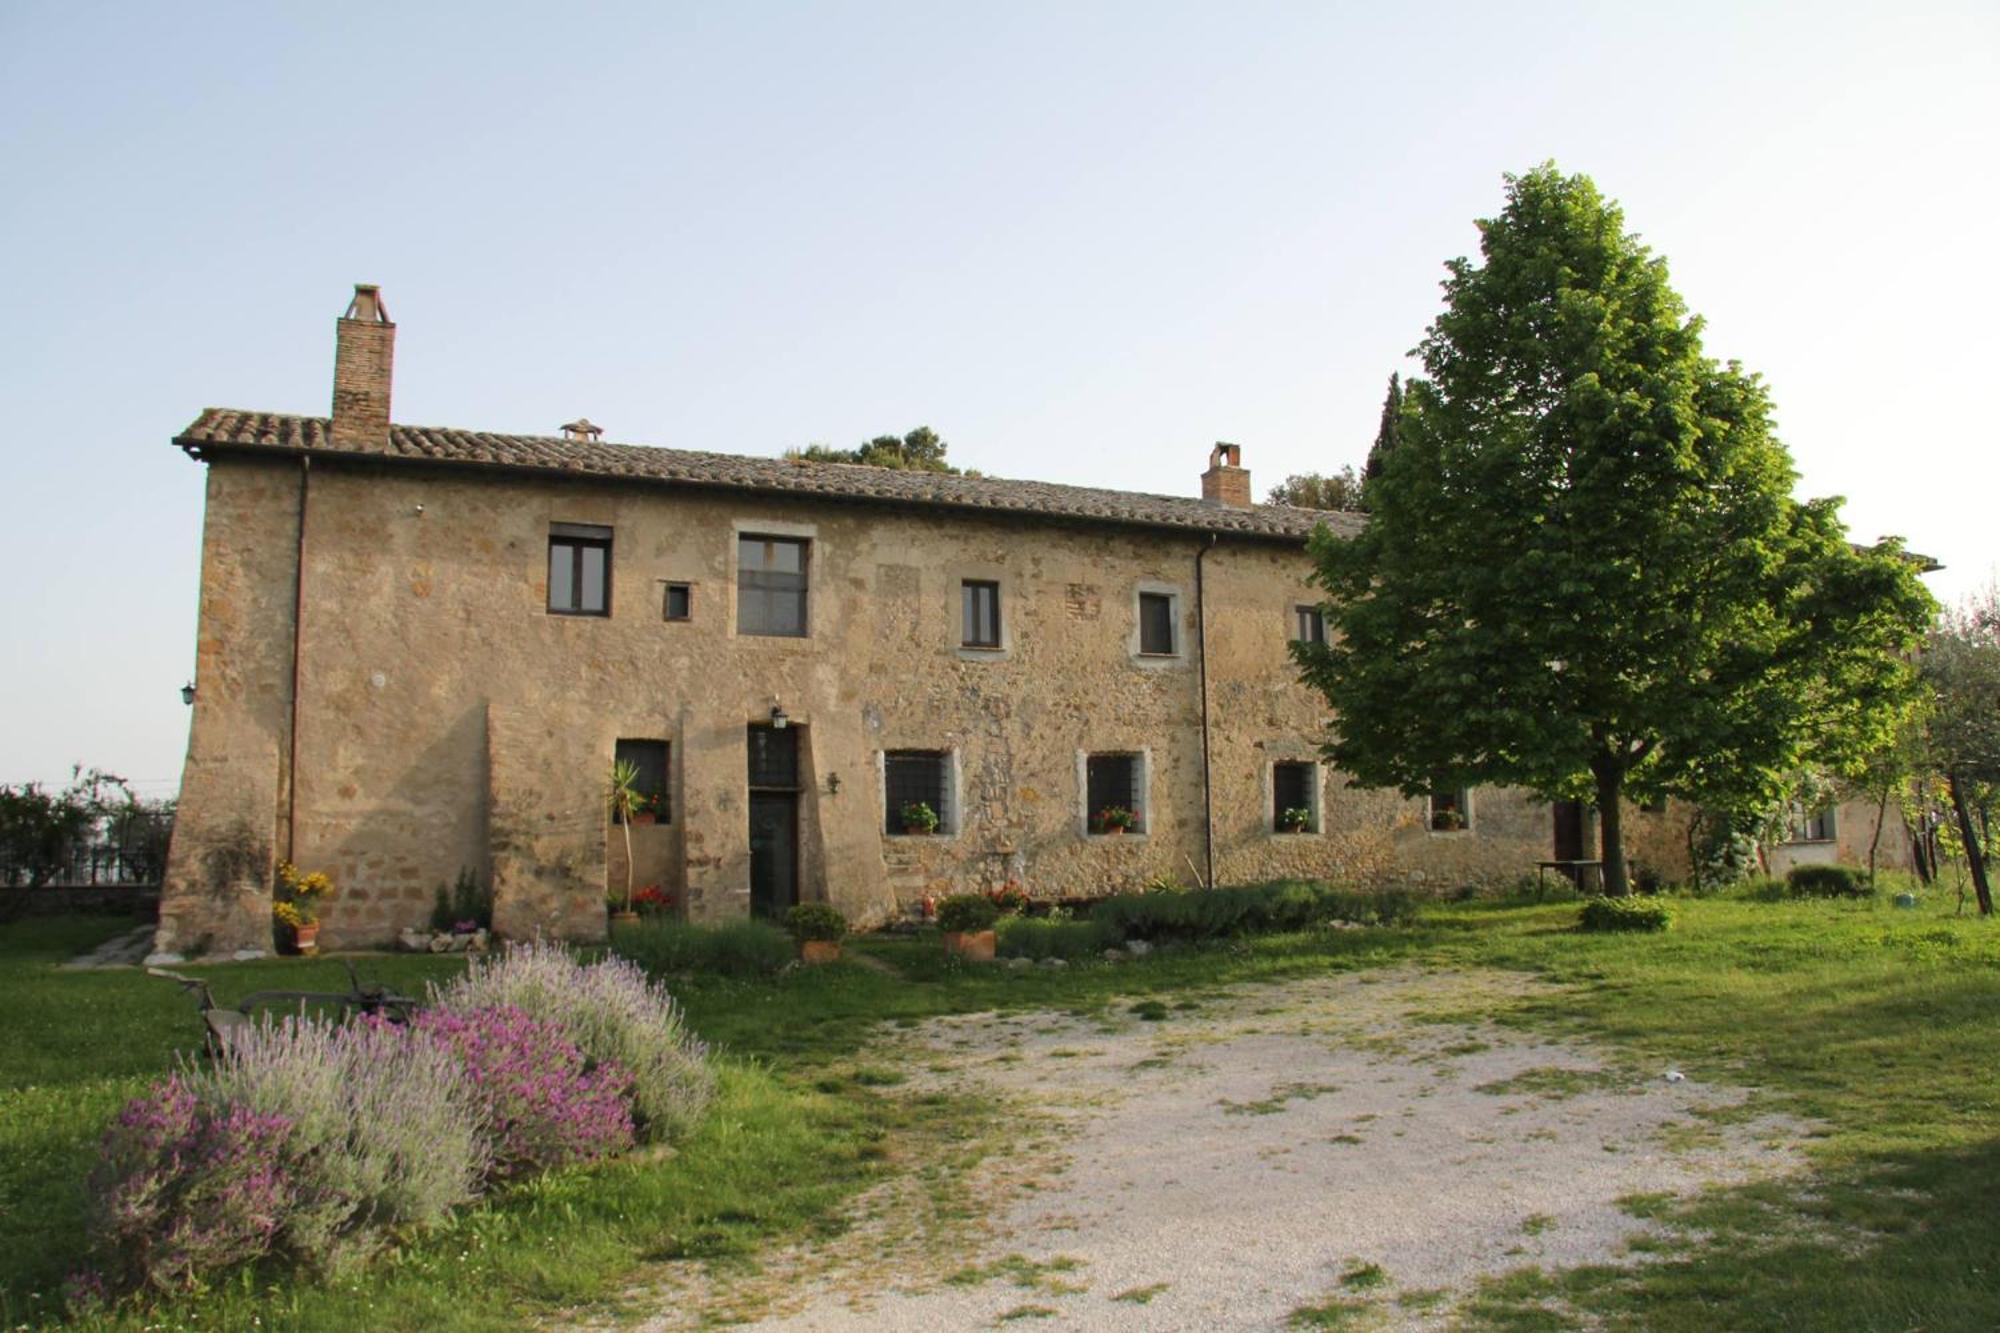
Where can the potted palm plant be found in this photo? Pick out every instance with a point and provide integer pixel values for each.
(818, 928)
(622, 799)
(967, 922)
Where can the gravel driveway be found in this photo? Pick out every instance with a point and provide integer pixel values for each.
(1357, 1137)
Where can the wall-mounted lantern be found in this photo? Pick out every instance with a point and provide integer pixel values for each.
(187, 694)
(779, 721)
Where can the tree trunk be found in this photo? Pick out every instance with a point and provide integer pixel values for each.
(1881, 813)
(1610, 794)
(1975, 859)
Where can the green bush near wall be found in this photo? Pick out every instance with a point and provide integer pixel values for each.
(1828, 882)
(735, 949)
(1204, 914)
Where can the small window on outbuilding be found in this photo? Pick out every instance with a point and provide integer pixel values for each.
(1293, 809)
(649, 758)
(579, 569)
(680, 601)
(917, 777)
(1308, 624)
(1156, 624)
(1450, 809)
(1115, 783)
(979, 613)
(1813, 826)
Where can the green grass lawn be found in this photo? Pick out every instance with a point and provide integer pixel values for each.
(1879, 1024)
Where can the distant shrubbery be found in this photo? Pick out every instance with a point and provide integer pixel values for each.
(1602, 914)
(1213, 913)
(317, 1142)
(1828, 882)
(735, 949)
(1042, 937)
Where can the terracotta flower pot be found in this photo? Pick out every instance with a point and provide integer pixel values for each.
(644, 817)
(974, 946)
(624, 918)
(814, 952)
(307, 938)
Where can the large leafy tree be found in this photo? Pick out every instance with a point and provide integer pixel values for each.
(1585, 574)
(1319, 490)
(921, 450)
(1961, 670)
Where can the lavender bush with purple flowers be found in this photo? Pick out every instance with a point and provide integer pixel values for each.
(543, 1108)
(184, 1189)
(612, 1013)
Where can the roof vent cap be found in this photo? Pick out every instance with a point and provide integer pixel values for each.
(582, 429)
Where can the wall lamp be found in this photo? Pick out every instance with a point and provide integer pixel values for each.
(187, 694)
(779, 721)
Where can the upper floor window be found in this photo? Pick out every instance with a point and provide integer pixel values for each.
(980, 614)
(1156, 624)
(579, 569)
(1308, 624)
(771, 585)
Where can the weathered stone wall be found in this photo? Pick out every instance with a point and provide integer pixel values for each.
(447, 720)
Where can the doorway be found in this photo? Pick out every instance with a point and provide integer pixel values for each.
(774, 820)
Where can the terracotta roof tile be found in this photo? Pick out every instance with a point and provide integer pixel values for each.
(226, 430)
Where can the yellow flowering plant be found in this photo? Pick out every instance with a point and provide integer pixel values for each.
(299, 895)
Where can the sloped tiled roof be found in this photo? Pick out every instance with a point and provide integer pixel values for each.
(220, 430)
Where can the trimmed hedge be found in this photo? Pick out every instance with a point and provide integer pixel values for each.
(967, 913)
(738, 949)
(1828, 882)
(1039, 938)
(1206, 914)
(1600, 914)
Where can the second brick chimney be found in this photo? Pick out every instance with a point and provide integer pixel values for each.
(1226, 482)
(364, 355)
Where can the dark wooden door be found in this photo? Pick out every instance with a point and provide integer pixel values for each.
(1569, 831)
(774, 853)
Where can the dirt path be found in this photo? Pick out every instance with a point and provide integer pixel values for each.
(1364, 1138)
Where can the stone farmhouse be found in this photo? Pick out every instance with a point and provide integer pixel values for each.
(421, 649)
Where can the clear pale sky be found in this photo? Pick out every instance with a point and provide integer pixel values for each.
(1082, 241)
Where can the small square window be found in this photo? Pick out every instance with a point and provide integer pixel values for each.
(649, 759)
(1451, 809)
(1308, 624)
(980, 614)
(1156, 624)
(912, 778)
(579, 569)
(1114, 793)
(1292, 805)
(680, 601)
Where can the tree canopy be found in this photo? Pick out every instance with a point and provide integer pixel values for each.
(1961, 675)
(1316, 490)
(1585, 573)
(921, 450)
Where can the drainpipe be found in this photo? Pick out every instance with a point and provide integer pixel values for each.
(298, 617)
(1201, 655)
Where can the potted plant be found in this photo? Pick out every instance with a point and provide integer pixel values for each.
(646, 809)
(918, 818)
(1010, 898)
(967, 922)
(296, 909)
(622, 799)
(1294, 820)
(1116, 819)
(818, 928)
(653, 901)
(1447, 821)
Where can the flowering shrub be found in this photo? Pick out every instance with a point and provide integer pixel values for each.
(542, 1107)
(386, 1131)
(182, 1189)
(611, 1013)
(1010, 898)
(653, 899)
(300, 894)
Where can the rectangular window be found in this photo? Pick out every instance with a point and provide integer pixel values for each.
(1113, 783)
(680, 601)
(980, 618)
(1156, 624)
(916, 777)
(1814, 827)
(1292, 797)
(579, 569)
(1309, 624)
(1451, 809)
(650, 759)
(771, 586)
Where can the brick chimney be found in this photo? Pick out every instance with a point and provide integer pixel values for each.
(1227, 481)
(364, 354)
